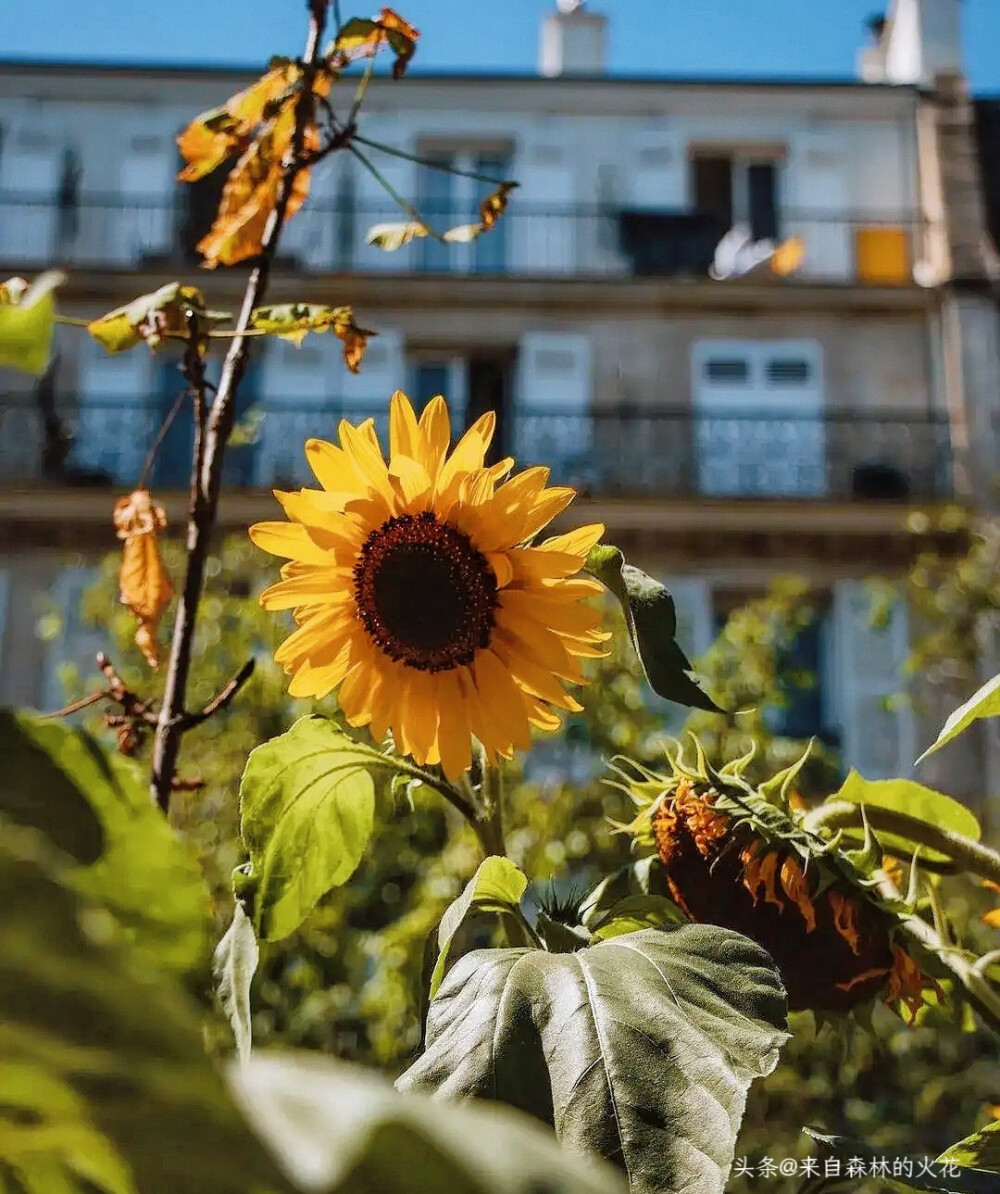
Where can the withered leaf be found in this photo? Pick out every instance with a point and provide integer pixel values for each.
(294, 321)
(153, 317)
(393, 236)
(361, 37)
(491, 209)
(143, 580)
(27, 321)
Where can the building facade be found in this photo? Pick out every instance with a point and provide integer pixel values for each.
(727, 423)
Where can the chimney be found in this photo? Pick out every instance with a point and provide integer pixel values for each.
(572, 41)
(919, 40)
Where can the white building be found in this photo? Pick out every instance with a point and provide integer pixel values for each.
(725, 430)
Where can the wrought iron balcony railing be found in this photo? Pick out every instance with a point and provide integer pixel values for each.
(632, 452)
(102, 231)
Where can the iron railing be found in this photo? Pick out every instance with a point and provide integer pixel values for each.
(108, 232)
(620, 451)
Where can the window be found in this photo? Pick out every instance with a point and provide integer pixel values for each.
(446, 199)
(471, 382)
(736, 187)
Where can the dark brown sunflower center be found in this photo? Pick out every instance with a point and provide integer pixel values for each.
(426, 596)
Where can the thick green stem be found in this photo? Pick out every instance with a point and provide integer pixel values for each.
(973, 856)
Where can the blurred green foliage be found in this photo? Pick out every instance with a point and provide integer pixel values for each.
(349, 981)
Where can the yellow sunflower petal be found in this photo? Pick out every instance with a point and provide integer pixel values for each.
(291, 540)
(564, 617)
(435, 429)
(315, 634)
(318, 586)
(539, 714)
(411, 482)
(576, 543)
(503, 703)
(405, 438)
(531, 563)
(530, 675)
(310, 681)
(454, 743)
(544, 509)
(501, 565)
(334, 469)
(541, 643)
(469, 453)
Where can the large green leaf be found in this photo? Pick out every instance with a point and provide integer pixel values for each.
(234, 965)
(105, 1086)
(652, 624)
(640, 1049)
(339, 1129)
(498, 881)
(307, 810)
(914, 800)
(981, 1150)
(118, 1042)
(95, 806)
(983, 703)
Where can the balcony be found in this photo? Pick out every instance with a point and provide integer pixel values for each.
(105, 232)
(872, 456)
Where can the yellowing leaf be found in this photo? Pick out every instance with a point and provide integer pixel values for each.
(27, 322)
(494, 205)
(220, 132)
(143, 580)
(491, 209)
(164, 313)
(251, 193)
(294, 321)
(361, 38)
(393, 236)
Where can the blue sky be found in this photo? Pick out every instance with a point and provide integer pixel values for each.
(673, 37)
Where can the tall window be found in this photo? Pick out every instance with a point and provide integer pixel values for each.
(447, 199)
(735, 187)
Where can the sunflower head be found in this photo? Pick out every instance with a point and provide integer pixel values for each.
(421, 594)
(734, 856)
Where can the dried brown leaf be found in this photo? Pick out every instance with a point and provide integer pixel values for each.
(143, 580)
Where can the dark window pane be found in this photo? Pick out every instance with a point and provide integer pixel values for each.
(436, 206)
(490, 249)
(727, 369)
(713, 188)
(431, 380)
(762, 183)
(787, 372)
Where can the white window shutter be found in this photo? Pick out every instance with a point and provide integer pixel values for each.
(878, 742)
(29, 171)
(296, 393)
(116, 420)
(542, 227)
(552, 410)
(818, 183)
(144, 227)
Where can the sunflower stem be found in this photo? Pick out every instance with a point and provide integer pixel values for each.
(972, 855)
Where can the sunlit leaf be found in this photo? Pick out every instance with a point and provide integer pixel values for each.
(361, 38)
(27, 322)
(497, 881)
(985, 702)
(462, 233)
(393, 236)
(294, 321)
(652, 624)
(640, 1049)
(495, 204)
(94, 805)
(307, 810)
(168, 312)
(981, 1150)
(143, 579)
(217, 134)
(339, 1129)
(914, 800)
(234, 965)
(638, 912)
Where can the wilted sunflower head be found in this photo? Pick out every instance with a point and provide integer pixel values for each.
(419, 593)
(735, 856)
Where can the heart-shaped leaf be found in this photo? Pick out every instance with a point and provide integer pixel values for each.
(983, 703)
(652, 624)
(640, 1049)
(307, 810)
(498, 881)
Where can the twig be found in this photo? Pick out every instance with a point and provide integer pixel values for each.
(82, 703)
(147, 468)
(359, 94)
(223, 699)
(434, 165)
(208, 481)
(973, 856)
(390, 190)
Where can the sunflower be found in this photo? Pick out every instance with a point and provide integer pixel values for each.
(419, 595)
